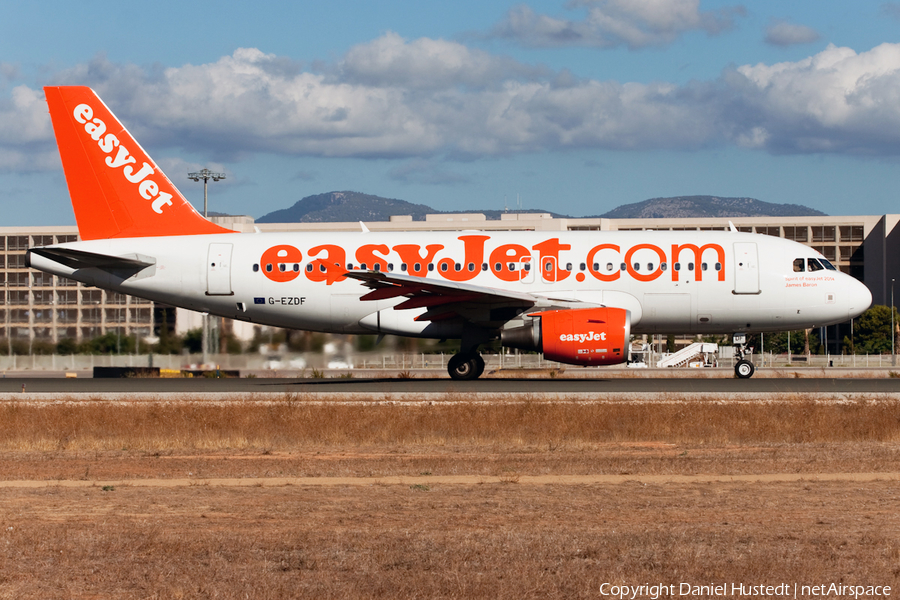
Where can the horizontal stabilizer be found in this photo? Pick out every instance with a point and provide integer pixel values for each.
(79, 259)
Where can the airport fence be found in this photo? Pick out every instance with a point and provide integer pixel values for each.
(385, 361)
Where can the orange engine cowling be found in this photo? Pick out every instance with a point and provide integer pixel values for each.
(581, 336)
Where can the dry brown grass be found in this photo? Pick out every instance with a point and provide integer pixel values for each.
(297, 424)
(493, 541)
(504, 540)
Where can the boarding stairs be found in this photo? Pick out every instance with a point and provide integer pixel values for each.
(698, 352)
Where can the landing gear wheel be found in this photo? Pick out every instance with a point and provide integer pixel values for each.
(463, 367)
(744, 369)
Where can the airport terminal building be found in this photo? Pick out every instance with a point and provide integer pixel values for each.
(38, 306)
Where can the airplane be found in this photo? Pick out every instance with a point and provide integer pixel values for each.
(575, 296)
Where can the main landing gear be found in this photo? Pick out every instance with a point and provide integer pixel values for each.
(465, 366)
(743, 368)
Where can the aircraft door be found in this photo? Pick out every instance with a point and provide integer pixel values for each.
(218, 270)
(746, 268)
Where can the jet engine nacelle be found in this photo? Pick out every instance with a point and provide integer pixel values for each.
(581, 336)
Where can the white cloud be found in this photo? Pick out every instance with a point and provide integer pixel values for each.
(782, 33)
(428, 64)
(387, 106)
(613, 23)
(835, 101)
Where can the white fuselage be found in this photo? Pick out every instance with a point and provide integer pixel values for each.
(690, 282)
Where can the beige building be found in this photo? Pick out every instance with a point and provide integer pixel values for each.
(41, 306)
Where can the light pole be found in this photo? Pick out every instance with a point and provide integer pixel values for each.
(893, 355)
(205, 175)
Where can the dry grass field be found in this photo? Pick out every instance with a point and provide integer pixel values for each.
(445, 499)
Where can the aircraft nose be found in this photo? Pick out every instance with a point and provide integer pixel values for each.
(859, 298)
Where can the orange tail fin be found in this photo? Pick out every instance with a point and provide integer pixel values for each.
(116, 188)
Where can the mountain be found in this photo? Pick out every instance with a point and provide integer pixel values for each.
(334, 207)
(695, 207)
(345, 206)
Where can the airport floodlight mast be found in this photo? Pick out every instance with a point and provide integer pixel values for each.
(205, 175)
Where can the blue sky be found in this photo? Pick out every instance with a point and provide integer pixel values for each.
(575, 107)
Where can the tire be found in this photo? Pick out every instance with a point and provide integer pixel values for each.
(744, 369)
(464, 367)
(479, 365)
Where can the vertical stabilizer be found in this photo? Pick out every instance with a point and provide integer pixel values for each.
(116, 189)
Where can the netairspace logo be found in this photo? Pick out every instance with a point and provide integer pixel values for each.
(737, 590)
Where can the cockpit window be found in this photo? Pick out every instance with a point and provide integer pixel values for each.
(799, 265)
(827, 264)
(814, 264)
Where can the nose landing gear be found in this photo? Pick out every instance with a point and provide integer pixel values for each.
(743, 368)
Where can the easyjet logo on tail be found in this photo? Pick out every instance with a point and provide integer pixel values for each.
(120, 158)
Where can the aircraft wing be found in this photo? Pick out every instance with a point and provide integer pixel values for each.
(446, 299)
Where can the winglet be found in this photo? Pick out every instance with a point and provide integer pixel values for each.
(116, 188)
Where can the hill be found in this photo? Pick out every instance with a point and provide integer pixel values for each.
(345, 206)
(333, 207)
(694, 207)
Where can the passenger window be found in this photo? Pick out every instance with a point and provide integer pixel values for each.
(677, 266)
(702, 266)
(637, 266)
(650, 267)
(623, 267)
(417, 267)
(309, 268)
(718, 266)
(609, 267)
(431, 266)
(568, 266)
(296, 268)
(582, 266)
(255, 268)
(471, 267)
(443, 266)
(269, 268)
(663, 266)
(799, 265)
(377, 267)
(362, 266)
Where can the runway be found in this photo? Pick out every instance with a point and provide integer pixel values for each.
(527, 387)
